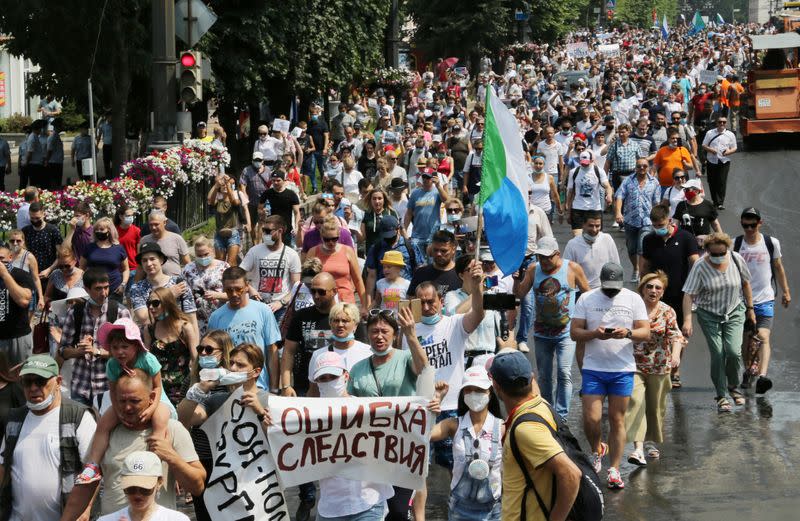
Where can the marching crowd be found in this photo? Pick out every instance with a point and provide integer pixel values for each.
(144, 338)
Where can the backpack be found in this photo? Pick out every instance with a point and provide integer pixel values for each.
(589, 504)
(77, 318)
(737, 246)
(577, 169)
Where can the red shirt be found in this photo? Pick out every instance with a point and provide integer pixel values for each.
(701, 103)
(129, 239)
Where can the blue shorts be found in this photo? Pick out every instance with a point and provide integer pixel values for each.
(764, 314)
(607, 383)
(443, 450)
(223, 244)
(634, 238)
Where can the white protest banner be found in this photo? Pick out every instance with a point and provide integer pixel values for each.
(243, 485)
(383, 440)
(609, 50)
(708, 77)
(578, 49)
(280, 125)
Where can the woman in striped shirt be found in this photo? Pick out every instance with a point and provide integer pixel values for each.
(719, 285)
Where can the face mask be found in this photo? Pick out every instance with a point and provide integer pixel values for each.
(101, 236)
(80, 222)
(332, 389)
(36, 223)
(683, 121)
(203, 261)
(268, 240)
(315, 117)
(662, 231)
(610, 293)
(233, 379)
(347, 338)
(673, 145)
(380, 354)
(440, 156)
(453, 217)
(419, 149)
(263, 139)
(44, 404)
(127, 220)
(690, 194)
(257, 165)
(162, 316)
(390, 240)
(476, 402)
(565, 132)
(16, 248)
(589, 238)
(432, 320)
(618, 98)
(717, 259)
(208, 362)
(391, 101)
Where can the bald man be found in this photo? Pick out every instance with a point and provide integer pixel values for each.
(308, 331)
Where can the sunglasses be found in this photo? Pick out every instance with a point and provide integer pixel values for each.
(319, 291)
(722, 122)
(268, 230)
(680, 178)
(15, 241)
(260, 134)
(206, 349)
(749, 226)
(130, 491)
(38, 381)
(235, 291)
(330, 239)
(64, 266)
(153, 303)
(453, 210)
(382, 313)
(641, 166)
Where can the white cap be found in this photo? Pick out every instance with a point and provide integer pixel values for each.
(258, 155)
(693, 183)
(546, 246)
(476, 376)
(585, 159)
(140, 469)
(329, 363)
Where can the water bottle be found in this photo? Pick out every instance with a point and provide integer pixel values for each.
(267, 208)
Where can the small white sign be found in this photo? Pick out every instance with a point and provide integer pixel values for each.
(764, 102)
(280, 125)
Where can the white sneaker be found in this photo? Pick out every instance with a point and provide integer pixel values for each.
(635, 277)
(523, 347)
(615, 225)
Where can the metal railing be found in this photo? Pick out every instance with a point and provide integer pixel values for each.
(187, 206)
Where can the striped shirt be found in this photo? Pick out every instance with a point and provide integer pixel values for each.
(718, 292)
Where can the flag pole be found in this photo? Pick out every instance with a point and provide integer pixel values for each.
(478, 232)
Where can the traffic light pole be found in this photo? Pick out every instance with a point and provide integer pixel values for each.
(164, 62)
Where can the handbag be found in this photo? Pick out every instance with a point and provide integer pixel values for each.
(41, 333)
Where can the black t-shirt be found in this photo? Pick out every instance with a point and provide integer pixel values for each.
(13, 318)
(444, 280)
(316, 130)
(42, 243)
(310, 328)
(281, 203)
(696, 218)
(368, 166)
(671, 256)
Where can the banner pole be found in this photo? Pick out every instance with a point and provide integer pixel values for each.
(478, 232)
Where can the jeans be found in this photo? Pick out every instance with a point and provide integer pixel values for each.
(319, 162)
(724, 339)
(421, 250)
(371, 514)
(564, 351)
(526, 308)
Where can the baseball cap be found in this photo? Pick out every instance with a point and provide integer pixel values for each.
(611, 276)
(258, 155)
(511, 370)
(585, 158)
(751, 212)
(427, 172)
(140, 469)
(393, 258)
(476, 376)
(40, 365)
(278, 174)
(389, 226)
(546, 246)
(693, 183)
(329, 362)
(124, 324)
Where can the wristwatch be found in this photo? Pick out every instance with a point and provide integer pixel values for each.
(629, 334)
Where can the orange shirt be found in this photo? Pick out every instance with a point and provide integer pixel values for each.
(667, 160)
(723, 94)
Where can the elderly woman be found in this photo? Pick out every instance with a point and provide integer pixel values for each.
(204, 278)
(141, 478)
(105, 252)
(390, 372)
(340, 261)
(644, 420)
(719, 285)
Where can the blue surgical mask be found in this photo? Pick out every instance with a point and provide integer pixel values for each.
(315, 117)
(347, 338)
(203, 261)
(453, 217)
(127, 220)
(208, 362)
(662, 231)
(432, 320)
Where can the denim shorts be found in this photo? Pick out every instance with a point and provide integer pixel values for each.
(224, 243)
(764, 314)
(443, 450)
(634, 238)
(607, 383)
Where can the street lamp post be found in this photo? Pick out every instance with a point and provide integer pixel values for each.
(164, 61)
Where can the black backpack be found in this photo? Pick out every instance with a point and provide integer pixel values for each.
(589, 504)
(737, 247)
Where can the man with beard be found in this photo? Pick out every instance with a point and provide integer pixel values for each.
(441, 272)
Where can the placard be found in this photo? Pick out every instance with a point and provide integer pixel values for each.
(609, 50)
(280, 125)
(708, 77)
(578, 49)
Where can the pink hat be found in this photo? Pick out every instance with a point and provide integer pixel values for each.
(125, 324)
(329, 362)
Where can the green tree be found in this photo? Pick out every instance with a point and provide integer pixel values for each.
(640, 13)
(552, 19)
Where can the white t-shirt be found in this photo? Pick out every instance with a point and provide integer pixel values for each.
(757, 258)
(352, 355)
(444, 344)
(675, 196)
(591, 257)
(161, 514)
(551, 153)
(273, 282)
(351, 180)
(341, 497)
(613, 355)
(484, 337)
(37, 459)
(392, 292)
(587, 187)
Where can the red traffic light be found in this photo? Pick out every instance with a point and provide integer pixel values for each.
(188, 59)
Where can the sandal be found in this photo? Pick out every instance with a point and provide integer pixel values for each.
(652, 451)
(738, 397)
(676, 382)
(90, 474)
(723, 405)
(637, 458)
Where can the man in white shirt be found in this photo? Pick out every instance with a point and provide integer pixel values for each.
(719, 144)
(270, 147)
(608, 320)
(592, 249)
(40, 442)
(553, 153)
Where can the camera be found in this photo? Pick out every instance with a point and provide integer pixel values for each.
(500, 301)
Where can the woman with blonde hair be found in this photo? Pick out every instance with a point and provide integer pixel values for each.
(25, 260)
(719, 285)
(173, 340)
(66, 275)
(204, 278)
(105, 252)
(379, 206)
(644, 420)
(340, 261)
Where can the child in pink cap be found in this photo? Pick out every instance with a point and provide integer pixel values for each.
(123, 341)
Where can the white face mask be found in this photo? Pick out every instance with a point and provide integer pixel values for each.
(332, 389)
(476, 402)
(44, 404)
(234, 378)
(268, 240)
(717, 259)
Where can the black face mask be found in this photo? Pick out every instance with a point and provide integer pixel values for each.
(101, 236)
(610, 293)
(390, 240)
(36, 223)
